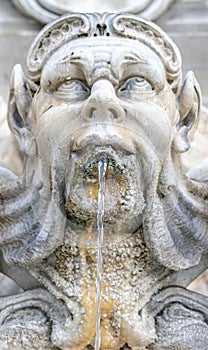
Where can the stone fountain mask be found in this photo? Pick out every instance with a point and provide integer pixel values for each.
(101, 86)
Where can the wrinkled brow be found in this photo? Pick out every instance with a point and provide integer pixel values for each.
(135, 57)
(131, 58)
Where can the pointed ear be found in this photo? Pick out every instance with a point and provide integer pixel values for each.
(19, 107)
(189, 104)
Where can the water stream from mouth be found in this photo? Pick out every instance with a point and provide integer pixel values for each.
(102, 166)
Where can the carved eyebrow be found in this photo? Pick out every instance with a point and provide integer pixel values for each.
(137, 58)
(76, 58)
(71, 57)
(75, 66)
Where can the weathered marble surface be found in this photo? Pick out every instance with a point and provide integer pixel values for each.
(103, 85)
(45, 11)
(186, 22)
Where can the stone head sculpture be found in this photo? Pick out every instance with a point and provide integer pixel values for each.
(103, 85)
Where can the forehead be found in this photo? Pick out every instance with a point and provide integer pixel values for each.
(89, 53)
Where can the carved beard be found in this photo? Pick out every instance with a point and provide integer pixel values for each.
(174, 220)
(176, 217)
(31, 226)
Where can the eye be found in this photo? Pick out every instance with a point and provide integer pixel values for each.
(135, 85)
(73, 89)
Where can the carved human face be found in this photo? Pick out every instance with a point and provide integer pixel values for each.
(103, 97)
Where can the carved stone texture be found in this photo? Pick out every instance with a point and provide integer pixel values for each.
(103, 85)
(45, 11)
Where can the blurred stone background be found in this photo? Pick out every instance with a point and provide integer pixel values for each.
(185, 21)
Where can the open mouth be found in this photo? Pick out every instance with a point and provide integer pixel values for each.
(122, 197)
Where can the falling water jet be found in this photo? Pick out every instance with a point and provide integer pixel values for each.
(102, 166)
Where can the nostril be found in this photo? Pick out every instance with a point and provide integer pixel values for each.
(88, 111)
(92, 112)
(97, 109)
(117, 113)
(114, 113)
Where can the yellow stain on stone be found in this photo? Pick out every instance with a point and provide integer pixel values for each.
(111, 337)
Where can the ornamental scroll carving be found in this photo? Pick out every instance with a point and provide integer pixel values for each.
(103, 85)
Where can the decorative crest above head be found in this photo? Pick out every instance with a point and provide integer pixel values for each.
(74, 26)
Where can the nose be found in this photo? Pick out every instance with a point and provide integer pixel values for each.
(103, 104)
